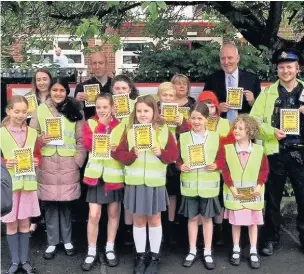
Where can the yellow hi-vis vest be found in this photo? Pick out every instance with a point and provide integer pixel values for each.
(68, 149)
(110, 170)
(223, 127)
(25, 182)
(148, 169)
(246, 177)
(199, 182)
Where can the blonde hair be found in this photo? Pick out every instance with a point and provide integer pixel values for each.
(10, 105)
(164, 87)
(181, 78)
(252, 127)
(150, 102)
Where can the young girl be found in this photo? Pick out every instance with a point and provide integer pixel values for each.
(182, 87)
(222, 127)
(199, 186)
(106, 182)
(41, 87)
(145, 176)
(166, 94)
(16, 134)
(121, 84)
(59, 173)
(244, 165)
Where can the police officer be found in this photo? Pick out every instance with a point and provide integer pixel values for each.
(285, 151)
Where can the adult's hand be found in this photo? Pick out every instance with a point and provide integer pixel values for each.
(224, 107)
(279, 134)
(81, 96)
(249, 97)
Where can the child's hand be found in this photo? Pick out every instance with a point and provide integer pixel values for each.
(162, 116)
(178, 120)
(156, 151)
(113, 148)
(136, 151)
(11, 163)
(105, 119)
(185, 168)
(236, 194)
(36, 162)
(211, 167)
(45, 139)
(257, 191)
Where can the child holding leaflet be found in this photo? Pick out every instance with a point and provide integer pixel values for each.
(105, 182)
(145, 176)
(245, 169)
(15, 134)
(199, 185)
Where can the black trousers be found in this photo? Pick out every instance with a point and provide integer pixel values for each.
(289, 162)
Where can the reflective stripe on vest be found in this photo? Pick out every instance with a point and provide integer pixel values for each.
(147, 169)
(246, 177)
(111, 171)
(24, 182)
(68, 149)
(199, 182)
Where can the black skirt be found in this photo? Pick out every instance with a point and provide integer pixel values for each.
(98, 195)
(194, 206)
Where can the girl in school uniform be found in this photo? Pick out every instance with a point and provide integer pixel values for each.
(166, 94)
(244, 165)
(121, 84)
(145, 177)
(199, 186)
(41, 88)
(59, 172)
(16, 134)
(223, 128)
(105, 180)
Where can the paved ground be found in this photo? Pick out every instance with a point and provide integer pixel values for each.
(287, 260)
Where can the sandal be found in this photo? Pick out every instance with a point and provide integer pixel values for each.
(112, 262)
(189, 263)
(235, 261)
(209, 266)
(88, 266)
(254, 265)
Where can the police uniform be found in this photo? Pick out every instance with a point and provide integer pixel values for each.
(286, 157)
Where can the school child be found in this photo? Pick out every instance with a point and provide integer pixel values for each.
(182, 87)
(105, 180)
(59, 172)
(121, 84)
(223, 128)
(199, 186)
(166, 94)
(245, 168)
(16, 134)
(145, 177)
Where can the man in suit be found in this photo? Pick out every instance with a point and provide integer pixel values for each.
(231, 76)
(98, 65)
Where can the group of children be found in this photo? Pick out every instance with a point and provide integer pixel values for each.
(146, 182)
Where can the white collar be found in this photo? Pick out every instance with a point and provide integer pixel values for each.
(235, 74)
(199, 136)
(239, 150)
(104, 80)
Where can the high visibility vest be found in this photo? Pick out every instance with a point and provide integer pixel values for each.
(199, 182)
(148, 169)
(110, 170)
(25, 182)
(262, 110)
(246, 177)
(68, 149)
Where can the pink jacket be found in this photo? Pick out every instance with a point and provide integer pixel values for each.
(59, 177)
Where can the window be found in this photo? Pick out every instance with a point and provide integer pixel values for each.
(71, 49)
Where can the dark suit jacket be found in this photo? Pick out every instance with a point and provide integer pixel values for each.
(247, 80)
(90, 111)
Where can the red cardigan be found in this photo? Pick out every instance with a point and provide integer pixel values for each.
(123, 155)
(87, 142)
(222, 165)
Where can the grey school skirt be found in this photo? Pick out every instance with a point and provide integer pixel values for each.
(144, 200)
(97, 194)
(193, 206)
